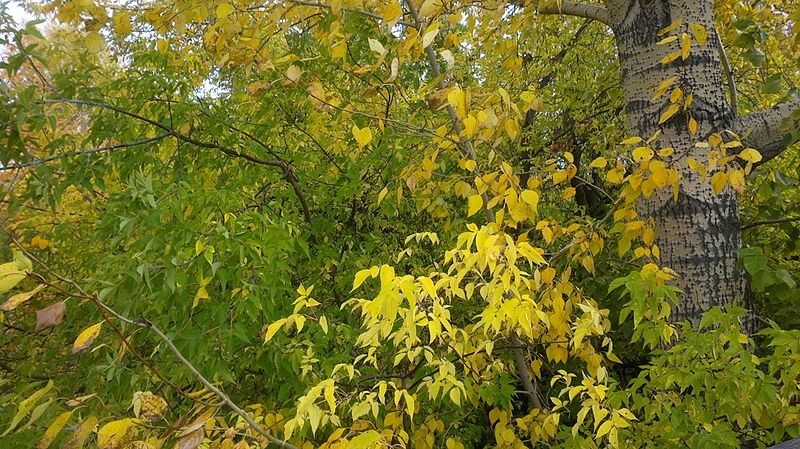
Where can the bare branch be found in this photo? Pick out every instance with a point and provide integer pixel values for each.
(578, 9)
(726, 68)
(766, 222)
(763, 130)
(79, 153)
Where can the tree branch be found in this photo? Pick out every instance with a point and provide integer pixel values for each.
(79, 153)
(726, 68)
(766, 222)
(288, 175)
(577, 9)
(763, 129)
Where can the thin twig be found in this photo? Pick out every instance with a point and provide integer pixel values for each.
(774, 221)
(726, 67)
(79, 153)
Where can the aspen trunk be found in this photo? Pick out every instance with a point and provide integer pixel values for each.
(699, 234)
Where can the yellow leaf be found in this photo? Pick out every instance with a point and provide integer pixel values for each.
(512, 128)
(323, 323)
(615, 176)
(19, 298)
(377, 47)
(364, 440)
(667, 40)
(360, 277)
(475, 204)
(666, 152)
(559, 176)
(429, 36)
(392, 12)
(272, 329)
(670, 57)
(641, 154)
(86, 337)
(700, 33)
(363, 135)
(80, 435)
(600, 162)
(676, 95)
(458, 101)
(750, 155)
(604, 429)
(382, 194)
(469, 165)
(718, 181)
(26, 405)
(293, 73)
(736, 179)
(530, 197)
(631, 140)
(116, 434)
(224, 10)
(692, 125)
(686, 45)
(672, 110)
(53, 430)
(671, 27)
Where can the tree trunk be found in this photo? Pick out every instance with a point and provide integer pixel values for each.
(698, 235)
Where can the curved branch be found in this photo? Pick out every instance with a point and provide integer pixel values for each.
(79, 153)
(578, 9)
(285, 166)
(764, 130)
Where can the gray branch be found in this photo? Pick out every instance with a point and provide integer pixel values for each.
(578, 9)
(764, 130)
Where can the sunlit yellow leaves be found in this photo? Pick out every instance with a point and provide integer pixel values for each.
(600, 162)
(667, 40)
(671, 111)
(512, 128)
(149, 406)
(686, 45)
(363, 135)
(736, 180)
(616, 175)
(700, 33)
(86, 338)
(475, 204)
(82, 433)
(364, 440)
(468, 164)
(750, 155)
(224, 10)
(382, 194)
(661, 88)
(430, 34)
(642, 154)
(458, 100)
(671, 57)
(692, 125)
(392, 13)
(718, 181)
(339, 49)
(116, 434)
(671, 27)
